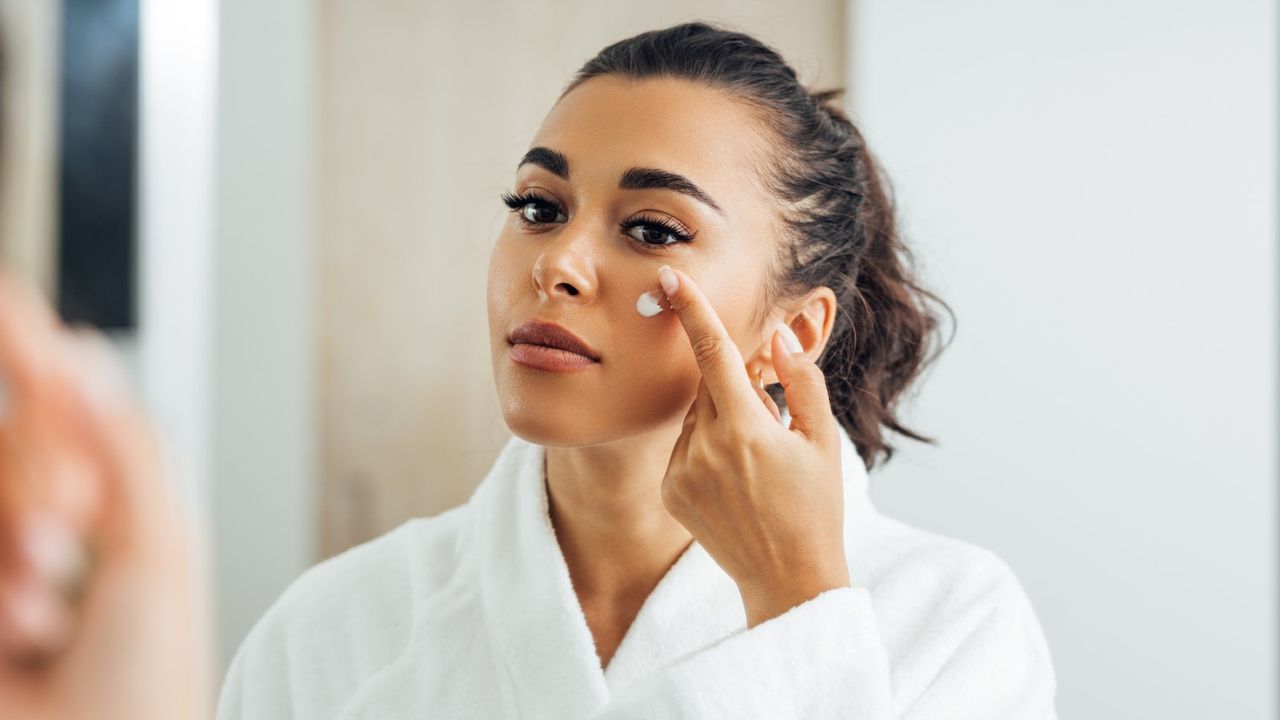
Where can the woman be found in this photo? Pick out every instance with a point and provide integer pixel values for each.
(664, 536)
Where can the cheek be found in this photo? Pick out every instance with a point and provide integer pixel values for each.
(501, 300)
(652, 384)
(650, 376)
(653, 366)
(503, 274)
(659, 343)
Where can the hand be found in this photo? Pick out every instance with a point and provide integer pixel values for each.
(767, 502)
(81, 476)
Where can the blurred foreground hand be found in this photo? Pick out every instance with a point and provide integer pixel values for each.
(103, 601)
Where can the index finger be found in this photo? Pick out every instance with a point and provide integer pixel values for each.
(722, 366)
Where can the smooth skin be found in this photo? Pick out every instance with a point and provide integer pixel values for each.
(610, 430)
(767, 502)
(669, 441)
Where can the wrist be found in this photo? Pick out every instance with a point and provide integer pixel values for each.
(765, 602)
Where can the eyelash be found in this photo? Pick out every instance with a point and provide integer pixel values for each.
(518, 202)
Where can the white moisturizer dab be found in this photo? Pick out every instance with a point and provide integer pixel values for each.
(647, 304)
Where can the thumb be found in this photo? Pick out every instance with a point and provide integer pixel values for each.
(803, 383)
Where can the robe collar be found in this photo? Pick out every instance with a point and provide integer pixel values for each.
(534, 617)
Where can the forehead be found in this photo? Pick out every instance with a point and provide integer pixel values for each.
(610, 123)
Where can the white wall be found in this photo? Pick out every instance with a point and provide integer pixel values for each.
(263, 453)
(177, 92)
(1091, 186)
(422, 123)
(225, 352)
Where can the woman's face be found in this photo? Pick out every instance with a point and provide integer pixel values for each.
(565, 256)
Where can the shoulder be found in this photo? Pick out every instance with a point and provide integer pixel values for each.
(381, 579)
(897, 554)
(948, 607)
(340, 621)
(379, 573)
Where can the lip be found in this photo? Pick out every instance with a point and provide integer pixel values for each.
(550, 335)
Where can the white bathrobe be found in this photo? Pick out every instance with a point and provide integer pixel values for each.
(471, 614)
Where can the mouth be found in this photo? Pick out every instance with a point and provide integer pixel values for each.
(547, 341)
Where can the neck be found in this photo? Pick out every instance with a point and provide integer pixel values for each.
(606, 506)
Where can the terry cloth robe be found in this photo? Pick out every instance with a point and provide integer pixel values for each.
(471, 614)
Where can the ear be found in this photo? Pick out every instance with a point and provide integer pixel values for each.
(812, 323)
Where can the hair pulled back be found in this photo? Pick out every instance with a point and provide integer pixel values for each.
(837, 212)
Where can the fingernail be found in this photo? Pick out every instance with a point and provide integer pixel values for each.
(789, 339)
(51, 548)
(670, 283)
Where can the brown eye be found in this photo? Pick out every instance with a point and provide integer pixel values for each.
(654, 233)
(651, 235)
(533, 209)
(538, 212)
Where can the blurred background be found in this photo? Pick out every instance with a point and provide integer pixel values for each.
(282, 213)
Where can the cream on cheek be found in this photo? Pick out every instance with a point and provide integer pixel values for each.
(649, 303)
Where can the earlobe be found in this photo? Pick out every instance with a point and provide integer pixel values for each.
(762, 370)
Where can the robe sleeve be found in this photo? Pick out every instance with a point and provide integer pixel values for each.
(290, 670)
(257, 685)
(335, 625)
(825, 659)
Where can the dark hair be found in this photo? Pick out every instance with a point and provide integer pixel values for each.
(837, 209)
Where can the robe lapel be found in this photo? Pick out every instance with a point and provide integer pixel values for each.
(536, 620)
(697, 603)
(692, 606)
(539, 626)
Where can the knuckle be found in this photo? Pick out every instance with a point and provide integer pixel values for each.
(706, 349)
(748, 439)
(669, 489)
(673, 493)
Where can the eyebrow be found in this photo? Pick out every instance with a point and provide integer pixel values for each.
(635, 178)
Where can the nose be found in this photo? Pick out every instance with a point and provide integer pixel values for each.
(564, 269)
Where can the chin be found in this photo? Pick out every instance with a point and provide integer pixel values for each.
(564, 429)
(539, 429)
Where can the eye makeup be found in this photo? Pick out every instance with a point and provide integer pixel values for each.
(650, 226)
